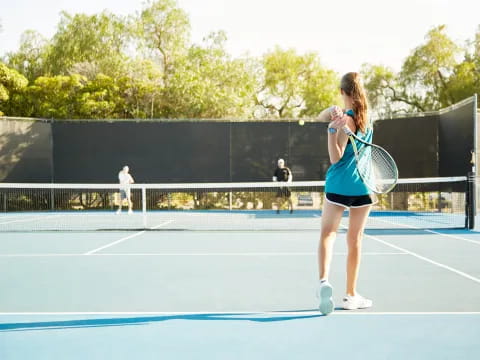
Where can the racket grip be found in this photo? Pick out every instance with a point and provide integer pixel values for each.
(347, 131)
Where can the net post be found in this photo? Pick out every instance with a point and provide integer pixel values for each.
(470, 200)
(52, 199)
(144, 206)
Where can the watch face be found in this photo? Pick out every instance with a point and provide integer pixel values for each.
(332, 130)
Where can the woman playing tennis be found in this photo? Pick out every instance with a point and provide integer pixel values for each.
(344, 190)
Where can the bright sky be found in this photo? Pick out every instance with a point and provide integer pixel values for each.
(344, 33)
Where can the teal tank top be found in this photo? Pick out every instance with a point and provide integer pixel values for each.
(342, 177)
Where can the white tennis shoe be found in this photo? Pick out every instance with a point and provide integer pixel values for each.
(356, 302)
(324, 293)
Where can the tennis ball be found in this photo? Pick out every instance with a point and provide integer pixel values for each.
(301, 122)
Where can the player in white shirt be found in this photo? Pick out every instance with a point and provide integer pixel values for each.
(125, 180)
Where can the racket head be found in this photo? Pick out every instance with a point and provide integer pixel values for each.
(377, 168)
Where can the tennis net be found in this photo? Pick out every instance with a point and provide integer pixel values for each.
(425, 203)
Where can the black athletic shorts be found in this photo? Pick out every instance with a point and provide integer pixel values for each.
(349, 200)
(284, 192)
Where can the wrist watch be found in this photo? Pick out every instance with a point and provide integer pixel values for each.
(332, 130)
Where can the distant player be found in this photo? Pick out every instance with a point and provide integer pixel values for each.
(283, 174)
(125, 180)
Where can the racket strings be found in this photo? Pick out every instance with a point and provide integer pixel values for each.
(377, 169)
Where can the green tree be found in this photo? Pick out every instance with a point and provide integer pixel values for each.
(164, 30)
(98, 39)
(465, 80)
(141, 89)
(89, 69)
(56, 97)
(208, 83)
(11, 83)
(100, 98)
(436, 74)
(30, 58)
(384, 94)
(320, 90)
(294, 85)
(425, 73)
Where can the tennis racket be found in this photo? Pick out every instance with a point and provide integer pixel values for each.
(374, 164)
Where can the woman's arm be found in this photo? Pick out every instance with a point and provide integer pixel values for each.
(337, 142)
(326, 115)
(336, 145)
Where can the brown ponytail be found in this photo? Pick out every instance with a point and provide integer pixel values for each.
(352, 86)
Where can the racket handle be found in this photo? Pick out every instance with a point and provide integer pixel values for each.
(347, 131)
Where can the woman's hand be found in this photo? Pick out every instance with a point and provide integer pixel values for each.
(339, 119)
(335, 112)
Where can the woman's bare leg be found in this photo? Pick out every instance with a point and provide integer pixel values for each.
(331, 217)
(358, 219)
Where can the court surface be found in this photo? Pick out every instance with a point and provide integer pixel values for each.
(235, 295)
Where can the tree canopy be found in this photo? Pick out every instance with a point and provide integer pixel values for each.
(436, 74)
(145, 65)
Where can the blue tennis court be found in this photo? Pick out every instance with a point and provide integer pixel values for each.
(225, 270)
(173, 178)
(235, 294)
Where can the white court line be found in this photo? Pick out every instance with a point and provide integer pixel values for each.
(453, 236)
(418, 256)
(114, 243)
(124, 239)
(9, 216)
(161, 224)
(29, 219)
(432, 232)
(239, 313)
(193, 254)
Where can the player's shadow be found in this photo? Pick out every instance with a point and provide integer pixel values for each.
(146, 320)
